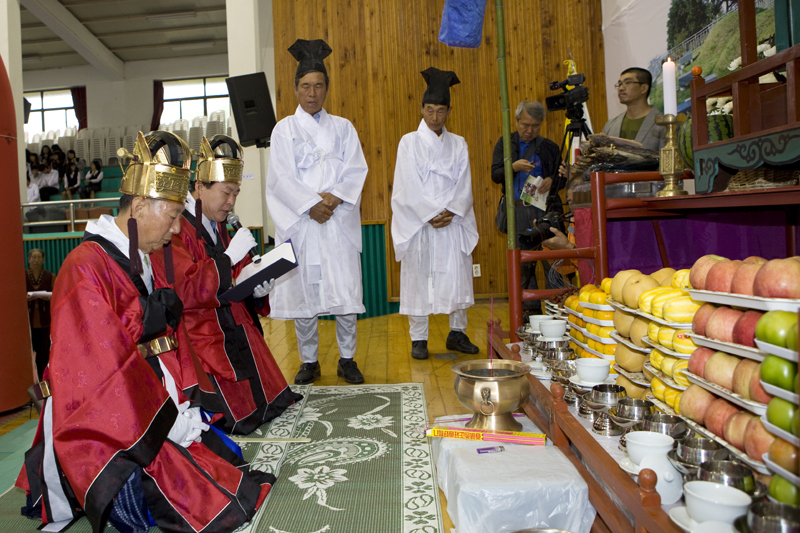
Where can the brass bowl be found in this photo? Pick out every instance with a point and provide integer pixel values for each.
(493, 390)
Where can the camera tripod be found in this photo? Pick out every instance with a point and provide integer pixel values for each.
(576, 128)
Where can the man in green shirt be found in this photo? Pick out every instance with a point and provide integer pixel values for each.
(638, 121)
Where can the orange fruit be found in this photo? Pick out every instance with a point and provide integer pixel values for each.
(604, 315)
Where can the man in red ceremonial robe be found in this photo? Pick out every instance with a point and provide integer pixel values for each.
(249, 388)
(117, 439)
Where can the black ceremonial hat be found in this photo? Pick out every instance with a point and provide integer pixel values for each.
(439, 82)
(310, 55)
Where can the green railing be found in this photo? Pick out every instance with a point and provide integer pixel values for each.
(56, 246)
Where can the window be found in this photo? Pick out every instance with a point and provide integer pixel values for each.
(187, 99)
(50, 111)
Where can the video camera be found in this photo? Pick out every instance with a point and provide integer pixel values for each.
(570, 98)
(541, 231)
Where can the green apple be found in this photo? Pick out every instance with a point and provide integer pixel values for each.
(796, 422)
(779, 372)
(780, 412)
(783, 491)
(774, 327)
(792, 338)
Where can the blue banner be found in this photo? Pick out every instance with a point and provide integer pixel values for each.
(462, 23)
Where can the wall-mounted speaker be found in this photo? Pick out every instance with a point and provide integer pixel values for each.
(252, 108)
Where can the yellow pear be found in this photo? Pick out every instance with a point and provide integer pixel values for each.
(605, 285)
(633, 390)
(639, 330)
(605, 332)
(636, 285)
(663, 276)
(604, 315)
(628, 359)
(619, 282)
(623, 321)
(647, 374)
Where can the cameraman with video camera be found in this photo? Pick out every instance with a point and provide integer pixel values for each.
(532, 155)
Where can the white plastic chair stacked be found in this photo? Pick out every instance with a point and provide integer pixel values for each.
(82, 145)
(97, 147)
(113, 142)
(129, 139)
(65, 143)
(34, 147)
(181, 129)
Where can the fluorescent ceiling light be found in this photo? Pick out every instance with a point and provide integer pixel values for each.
(192, 46)
(172, 16)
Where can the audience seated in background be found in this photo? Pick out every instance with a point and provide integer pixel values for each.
(33, 192)
(79, 162)
(45, 154)
(32, 160)
(72, 180)
(48, 181)
(94, 177)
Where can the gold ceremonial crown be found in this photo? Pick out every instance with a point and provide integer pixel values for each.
(159, 167)
(214, 165)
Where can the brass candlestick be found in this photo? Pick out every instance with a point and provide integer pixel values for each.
(670, 164)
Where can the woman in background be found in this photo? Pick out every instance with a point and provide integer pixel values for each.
(72, 180)
(44, 155)
(39, 279)
(94, 177)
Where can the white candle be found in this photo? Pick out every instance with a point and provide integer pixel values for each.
(670, 94)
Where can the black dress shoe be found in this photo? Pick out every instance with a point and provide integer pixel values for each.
(459, 342)
(419, 349)
(348, 370)
(308, 373)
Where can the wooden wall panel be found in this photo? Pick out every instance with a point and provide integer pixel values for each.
(379, 49)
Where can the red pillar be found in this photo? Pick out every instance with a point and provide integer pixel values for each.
(16, 369)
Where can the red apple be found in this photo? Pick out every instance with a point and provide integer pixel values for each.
(718, 413)
(698, 359)
(744, 331)
(779, 278)
(720, 276)
(757, 440)
(694, 403)
(735, 427)
(699, 271)
(757, 392)
(755, 260)
(720, 324)
(742, 282)
(743, 377)
(720, 368)
(701, 318)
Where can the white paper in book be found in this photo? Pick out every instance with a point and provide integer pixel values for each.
(272, 265)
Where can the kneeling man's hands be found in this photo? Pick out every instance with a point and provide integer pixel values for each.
(188, 426)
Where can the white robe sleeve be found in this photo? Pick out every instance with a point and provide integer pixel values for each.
(288, 198)
(412, 207)
(354, 170)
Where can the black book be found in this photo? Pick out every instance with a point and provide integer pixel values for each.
(273, 265)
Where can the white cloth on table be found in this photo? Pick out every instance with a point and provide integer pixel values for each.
(306, 159)
(521, 487)
(433, 174)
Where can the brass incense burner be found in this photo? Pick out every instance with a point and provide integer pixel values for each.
(493, 390)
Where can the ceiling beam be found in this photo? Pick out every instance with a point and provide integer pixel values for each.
(135, 32)
(64, 24)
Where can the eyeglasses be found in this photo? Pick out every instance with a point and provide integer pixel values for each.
(625, 83)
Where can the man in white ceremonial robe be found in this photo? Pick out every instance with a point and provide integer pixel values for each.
(315, 177)
(433, 224)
